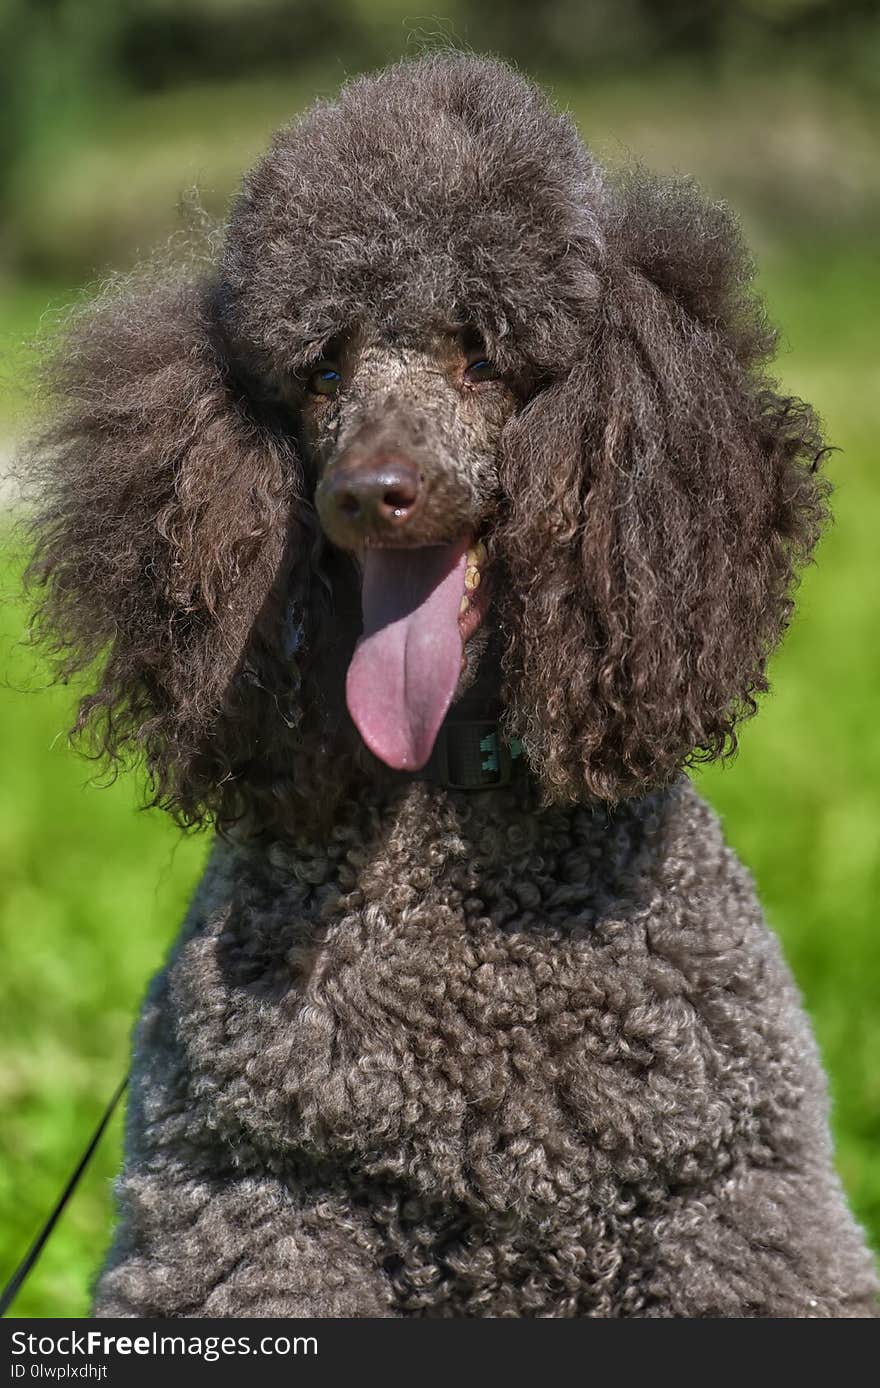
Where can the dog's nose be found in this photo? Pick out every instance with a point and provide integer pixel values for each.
(361, 499)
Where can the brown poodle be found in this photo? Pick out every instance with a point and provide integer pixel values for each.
(420, 542)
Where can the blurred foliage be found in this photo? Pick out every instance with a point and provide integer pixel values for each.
(799, 161)
(83, 72)
(109, 111)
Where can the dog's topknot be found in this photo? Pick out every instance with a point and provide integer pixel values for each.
(445, 188)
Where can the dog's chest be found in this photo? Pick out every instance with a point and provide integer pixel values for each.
(494, 1024)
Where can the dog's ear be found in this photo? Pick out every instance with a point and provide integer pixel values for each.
(166, 528)
(661, 497)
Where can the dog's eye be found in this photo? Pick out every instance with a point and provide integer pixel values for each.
(481, 370)
(325, 381)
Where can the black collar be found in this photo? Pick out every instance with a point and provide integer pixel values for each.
(473, 754)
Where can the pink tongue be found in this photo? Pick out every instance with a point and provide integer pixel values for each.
(407, 663)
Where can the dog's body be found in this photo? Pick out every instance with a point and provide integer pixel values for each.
(461, 430)
(466, 1058)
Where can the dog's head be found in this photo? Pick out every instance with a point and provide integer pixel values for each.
(446, 379)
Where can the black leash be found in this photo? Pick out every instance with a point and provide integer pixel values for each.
(14, 1285)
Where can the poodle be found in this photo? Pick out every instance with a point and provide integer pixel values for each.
(421, 535)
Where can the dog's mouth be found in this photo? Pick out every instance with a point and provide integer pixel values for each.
(420, 607)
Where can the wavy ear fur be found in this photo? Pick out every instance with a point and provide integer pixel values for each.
(165, 535)
(660, 497)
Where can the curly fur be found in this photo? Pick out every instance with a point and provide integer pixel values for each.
(519, 1054)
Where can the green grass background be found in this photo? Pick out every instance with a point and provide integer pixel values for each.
(91, 890)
